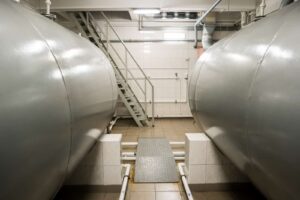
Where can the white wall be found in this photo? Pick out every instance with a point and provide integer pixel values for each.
(166, 63)
(272, 5)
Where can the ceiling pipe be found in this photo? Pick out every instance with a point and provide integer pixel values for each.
(48, 10)
(48, 5)
(244, 19)
(207, 36)
(200, 21)
(262, 8)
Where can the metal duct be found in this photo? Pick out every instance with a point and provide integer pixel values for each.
(57, 94)
(207, 36)
(244, 92)
(200, 20)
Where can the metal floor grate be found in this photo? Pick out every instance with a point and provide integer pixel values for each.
(155, 162)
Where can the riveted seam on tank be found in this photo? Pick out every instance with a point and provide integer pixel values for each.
(252, 84)
(67, 93)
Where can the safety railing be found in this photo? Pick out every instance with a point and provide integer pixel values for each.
(140, 83)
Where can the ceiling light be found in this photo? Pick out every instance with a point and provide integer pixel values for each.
(146, 11)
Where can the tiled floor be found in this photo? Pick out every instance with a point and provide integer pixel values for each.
(174, 130)
(154, 191)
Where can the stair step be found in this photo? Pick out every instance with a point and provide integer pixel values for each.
(143, 118)
(129, 98)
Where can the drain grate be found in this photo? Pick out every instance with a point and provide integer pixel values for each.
(155, 162)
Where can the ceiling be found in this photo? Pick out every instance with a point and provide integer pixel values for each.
(164, 5)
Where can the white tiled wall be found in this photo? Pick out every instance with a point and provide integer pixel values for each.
(166, 63)
(205, 164)
(102, 165)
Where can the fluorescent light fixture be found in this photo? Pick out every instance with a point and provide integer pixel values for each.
(151, 11)
(174, 36)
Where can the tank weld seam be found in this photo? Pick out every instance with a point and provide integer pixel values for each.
(252, 84)
(67, 93)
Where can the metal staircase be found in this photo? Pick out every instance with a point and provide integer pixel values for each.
(132, 90)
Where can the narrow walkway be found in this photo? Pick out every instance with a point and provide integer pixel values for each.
(173, 130)
(155, 162)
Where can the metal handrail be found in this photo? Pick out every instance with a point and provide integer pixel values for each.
(106, 19)
(118, 55)
(147, 80)
(126, 68)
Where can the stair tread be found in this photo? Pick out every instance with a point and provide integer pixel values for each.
(93, 33)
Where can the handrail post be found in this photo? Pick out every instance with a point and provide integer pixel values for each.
(146, 103)
(128, 74)
(107, 39)
(126, 66)
(153, 120)
(87, 19)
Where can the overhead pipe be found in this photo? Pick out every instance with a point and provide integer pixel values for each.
(200, 20)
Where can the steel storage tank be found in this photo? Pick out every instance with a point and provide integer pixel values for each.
(245, 94)
(57, 94)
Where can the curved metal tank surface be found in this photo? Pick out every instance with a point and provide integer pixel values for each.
(245, 93)
(57, 94)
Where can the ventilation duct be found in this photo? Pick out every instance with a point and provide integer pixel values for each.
(207, 36)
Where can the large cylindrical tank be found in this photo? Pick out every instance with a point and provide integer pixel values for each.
(57, 94)
(245, 94)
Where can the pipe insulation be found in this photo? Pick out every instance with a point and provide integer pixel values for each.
(244, 93)
(57, 95)
(201, 19)
(207, 36)
(48, 5)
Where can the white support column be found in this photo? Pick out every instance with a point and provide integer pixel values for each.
(205, 164)
(111, 150)
(102, 165)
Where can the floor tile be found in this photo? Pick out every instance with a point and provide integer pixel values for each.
(219, 195)
(142, 196)
(183, 195)
(167, 187)
(199, 196)
(142, 187)
(168, 196)
(93, 196)
(111, 196)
